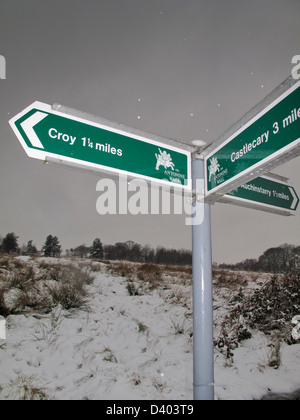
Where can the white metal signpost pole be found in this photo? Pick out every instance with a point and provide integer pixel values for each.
(202, 295)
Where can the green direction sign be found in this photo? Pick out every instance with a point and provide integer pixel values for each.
(47, 134)
(269, 136)
(265, 193)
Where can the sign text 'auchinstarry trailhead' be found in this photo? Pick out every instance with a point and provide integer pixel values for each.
(48, 134)
(265, 193)
(270, 135)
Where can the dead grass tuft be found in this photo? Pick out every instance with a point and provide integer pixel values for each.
(40, 286)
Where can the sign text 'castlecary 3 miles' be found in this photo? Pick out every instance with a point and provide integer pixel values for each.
(49, 134)
(270, 136)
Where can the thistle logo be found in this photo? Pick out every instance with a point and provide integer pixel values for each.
(164, 159)
(214, 167)
(2, 67)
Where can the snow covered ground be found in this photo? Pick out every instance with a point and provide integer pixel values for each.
(130, 346)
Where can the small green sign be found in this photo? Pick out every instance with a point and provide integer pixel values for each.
(45, 133)
(268, 136)
(267, 193)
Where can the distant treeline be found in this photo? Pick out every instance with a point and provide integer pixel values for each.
(125, 251)
(132, 251)
(281, 259)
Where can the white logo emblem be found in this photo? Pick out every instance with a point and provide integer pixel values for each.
(164, 159)
(214, 167)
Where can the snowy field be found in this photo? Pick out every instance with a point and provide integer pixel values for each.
(131, 338)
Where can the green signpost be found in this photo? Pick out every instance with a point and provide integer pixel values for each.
(265, 193)
(47, 134)
(231, 168)
(256, 146)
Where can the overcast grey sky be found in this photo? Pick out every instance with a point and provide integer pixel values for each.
(185, 69)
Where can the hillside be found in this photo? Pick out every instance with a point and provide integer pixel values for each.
(113, 330)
